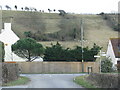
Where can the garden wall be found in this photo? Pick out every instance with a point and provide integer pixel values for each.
(104, 80)
(10, 72)
(57, 67)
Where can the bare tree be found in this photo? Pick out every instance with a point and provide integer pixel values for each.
(43, 11)
(26, 8)
(39, 10)
(16, 7)
(35, 9)
(8, 7)
(31, 8)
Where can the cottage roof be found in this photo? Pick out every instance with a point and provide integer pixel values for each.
(116, 46)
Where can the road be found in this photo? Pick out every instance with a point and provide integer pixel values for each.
(49, 81)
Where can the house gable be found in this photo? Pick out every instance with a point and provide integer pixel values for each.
(116, 46)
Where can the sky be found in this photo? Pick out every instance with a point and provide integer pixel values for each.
(72, 6)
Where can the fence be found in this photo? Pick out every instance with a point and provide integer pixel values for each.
(57, 67)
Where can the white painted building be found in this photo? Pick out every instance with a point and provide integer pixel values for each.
(113, 51)
(8, 37)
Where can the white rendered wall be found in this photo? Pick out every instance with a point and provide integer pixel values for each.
(110, 53)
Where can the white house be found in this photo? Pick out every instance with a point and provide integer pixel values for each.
(113, 51)
(8, 37)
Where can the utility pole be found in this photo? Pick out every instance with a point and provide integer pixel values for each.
(1, 59)
(81, 25)
(0, 18)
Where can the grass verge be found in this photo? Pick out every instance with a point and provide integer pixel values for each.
(21, 81)
(83, 82)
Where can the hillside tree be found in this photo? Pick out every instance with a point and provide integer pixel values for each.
(22, 8)
(7, 7)
(54, 10)
(28, 48)
(28, 34)
(16, 7)
(49, 10)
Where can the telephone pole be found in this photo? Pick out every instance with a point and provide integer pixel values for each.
(81, 27)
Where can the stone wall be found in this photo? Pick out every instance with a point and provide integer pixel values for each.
(104, 80)
(57, 67)
(10, 72)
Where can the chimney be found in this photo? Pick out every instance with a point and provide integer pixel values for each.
(7, 26)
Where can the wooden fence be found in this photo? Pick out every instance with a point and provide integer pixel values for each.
(57, 67)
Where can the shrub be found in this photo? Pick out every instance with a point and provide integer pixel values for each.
(106, 65)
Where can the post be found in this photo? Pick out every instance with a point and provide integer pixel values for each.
(11, 56)
(100, 60)
(0, 18)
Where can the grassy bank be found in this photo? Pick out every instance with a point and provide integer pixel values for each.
(21, 81)
(83, 82)
(54, 27)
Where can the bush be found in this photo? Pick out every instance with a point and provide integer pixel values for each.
(2, 52)
(104, 80)
(58, 53)
(106, 65)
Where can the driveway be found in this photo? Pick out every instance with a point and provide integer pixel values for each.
(50, 81)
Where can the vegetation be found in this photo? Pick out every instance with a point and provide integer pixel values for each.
(106, 65)
(21, 81)
(112, 20)
(2, 52)
(28, 48)
(7, 7)
(83, 82)
(58, 53)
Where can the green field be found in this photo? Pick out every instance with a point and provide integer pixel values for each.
(53, 27)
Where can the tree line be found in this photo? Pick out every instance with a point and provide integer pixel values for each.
(30, 49)
(27, 8)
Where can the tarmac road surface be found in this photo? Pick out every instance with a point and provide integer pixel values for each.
(49, 81)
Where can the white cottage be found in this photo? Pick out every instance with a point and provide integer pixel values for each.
(113, 51)
(8, 37)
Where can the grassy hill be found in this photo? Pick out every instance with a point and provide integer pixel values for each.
(52, 27)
